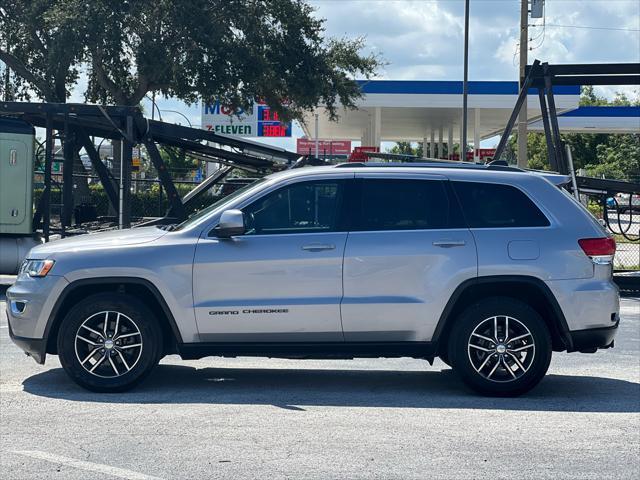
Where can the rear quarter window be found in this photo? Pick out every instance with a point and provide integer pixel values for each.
(585, 211)
(492, 205)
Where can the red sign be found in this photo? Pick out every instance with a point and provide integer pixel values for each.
(307, 146)
(484, 154)
(358, 154)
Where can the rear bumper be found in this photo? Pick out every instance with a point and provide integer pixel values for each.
(34, 347)
(592, 339)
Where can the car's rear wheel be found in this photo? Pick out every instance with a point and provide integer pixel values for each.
(500, 346)
(109, 342)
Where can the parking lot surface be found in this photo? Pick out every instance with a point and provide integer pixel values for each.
(366, 418)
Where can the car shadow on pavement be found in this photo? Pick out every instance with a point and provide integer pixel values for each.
(294, 389)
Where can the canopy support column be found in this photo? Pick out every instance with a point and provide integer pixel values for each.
(432, 144)
(375, 128)
(476, 134)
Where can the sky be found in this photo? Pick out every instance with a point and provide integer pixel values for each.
(423, 39)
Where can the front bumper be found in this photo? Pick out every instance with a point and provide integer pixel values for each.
(30, 302)
(591, 339)
(34, 347)
(38, 297)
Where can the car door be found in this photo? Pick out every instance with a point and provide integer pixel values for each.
(407, 252)
(282, 280)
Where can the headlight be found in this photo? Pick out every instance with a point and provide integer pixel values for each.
(36, 268)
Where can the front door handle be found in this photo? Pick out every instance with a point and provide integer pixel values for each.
(449, 243)
(318, 247)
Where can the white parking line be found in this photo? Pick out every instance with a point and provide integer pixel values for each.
(82, 465)
(11, 388)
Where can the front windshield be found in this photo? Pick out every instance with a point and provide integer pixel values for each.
(196, 216)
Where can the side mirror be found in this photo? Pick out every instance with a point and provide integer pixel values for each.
(231, 224)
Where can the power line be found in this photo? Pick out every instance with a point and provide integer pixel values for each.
(588, 27)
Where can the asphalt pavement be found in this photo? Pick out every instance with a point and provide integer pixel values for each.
(369, 418)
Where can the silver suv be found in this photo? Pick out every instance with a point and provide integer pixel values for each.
(489, 268)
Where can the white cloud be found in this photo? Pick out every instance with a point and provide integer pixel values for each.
(424, 39)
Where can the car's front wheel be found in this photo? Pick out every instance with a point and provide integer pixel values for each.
(500, 346)
(109, 342)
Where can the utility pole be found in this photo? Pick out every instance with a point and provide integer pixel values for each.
(524, 49)
(465, 84)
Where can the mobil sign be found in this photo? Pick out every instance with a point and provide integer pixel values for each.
(260, 121)
(226, 120)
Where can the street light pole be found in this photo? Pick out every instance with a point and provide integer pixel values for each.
(465, 84)
(179, 113)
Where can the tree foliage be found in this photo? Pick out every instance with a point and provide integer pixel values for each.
(406, 148)
(231, 50)
(177, 162)
(41, 42)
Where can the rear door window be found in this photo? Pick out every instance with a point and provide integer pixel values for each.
(492, 205)
(405, 204)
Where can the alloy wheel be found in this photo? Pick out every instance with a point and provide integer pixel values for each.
(108, 344)
(501, 349)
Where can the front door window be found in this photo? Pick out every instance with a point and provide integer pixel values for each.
(307, 207)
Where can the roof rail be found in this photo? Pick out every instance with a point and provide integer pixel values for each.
(434, 164)
(350, 164)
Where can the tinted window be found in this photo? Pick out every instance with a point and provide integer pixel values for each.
(397, 204)
(299, 208)
(197, 216)
(490, 205)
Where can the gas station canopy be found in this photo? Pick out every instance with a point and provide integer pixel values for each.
(407, 110)
(431, 112)
(596, 120)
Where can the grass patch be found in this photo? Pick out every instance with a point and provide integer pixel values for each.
(621, 239)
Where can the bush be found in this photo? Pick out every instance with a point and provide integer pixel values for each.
(144, 203)
(595, 208)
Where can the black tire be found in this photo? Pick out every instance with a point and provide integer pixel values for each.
(468, 361)
(136, 322)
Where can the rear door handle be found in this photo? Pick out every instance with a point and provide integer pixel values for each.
(449, 243)
(318, 247)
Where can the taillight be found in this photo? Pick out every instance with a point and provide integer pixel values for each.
(601, 250)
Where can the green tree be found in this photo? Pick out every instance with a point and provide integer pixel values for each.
(178, 163)
(588, 97)
(618, 158)
(41, 42)
(406, 148)
(231, 50)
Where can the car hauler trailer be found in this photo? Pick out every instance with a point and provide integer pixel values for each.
(24, 224)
